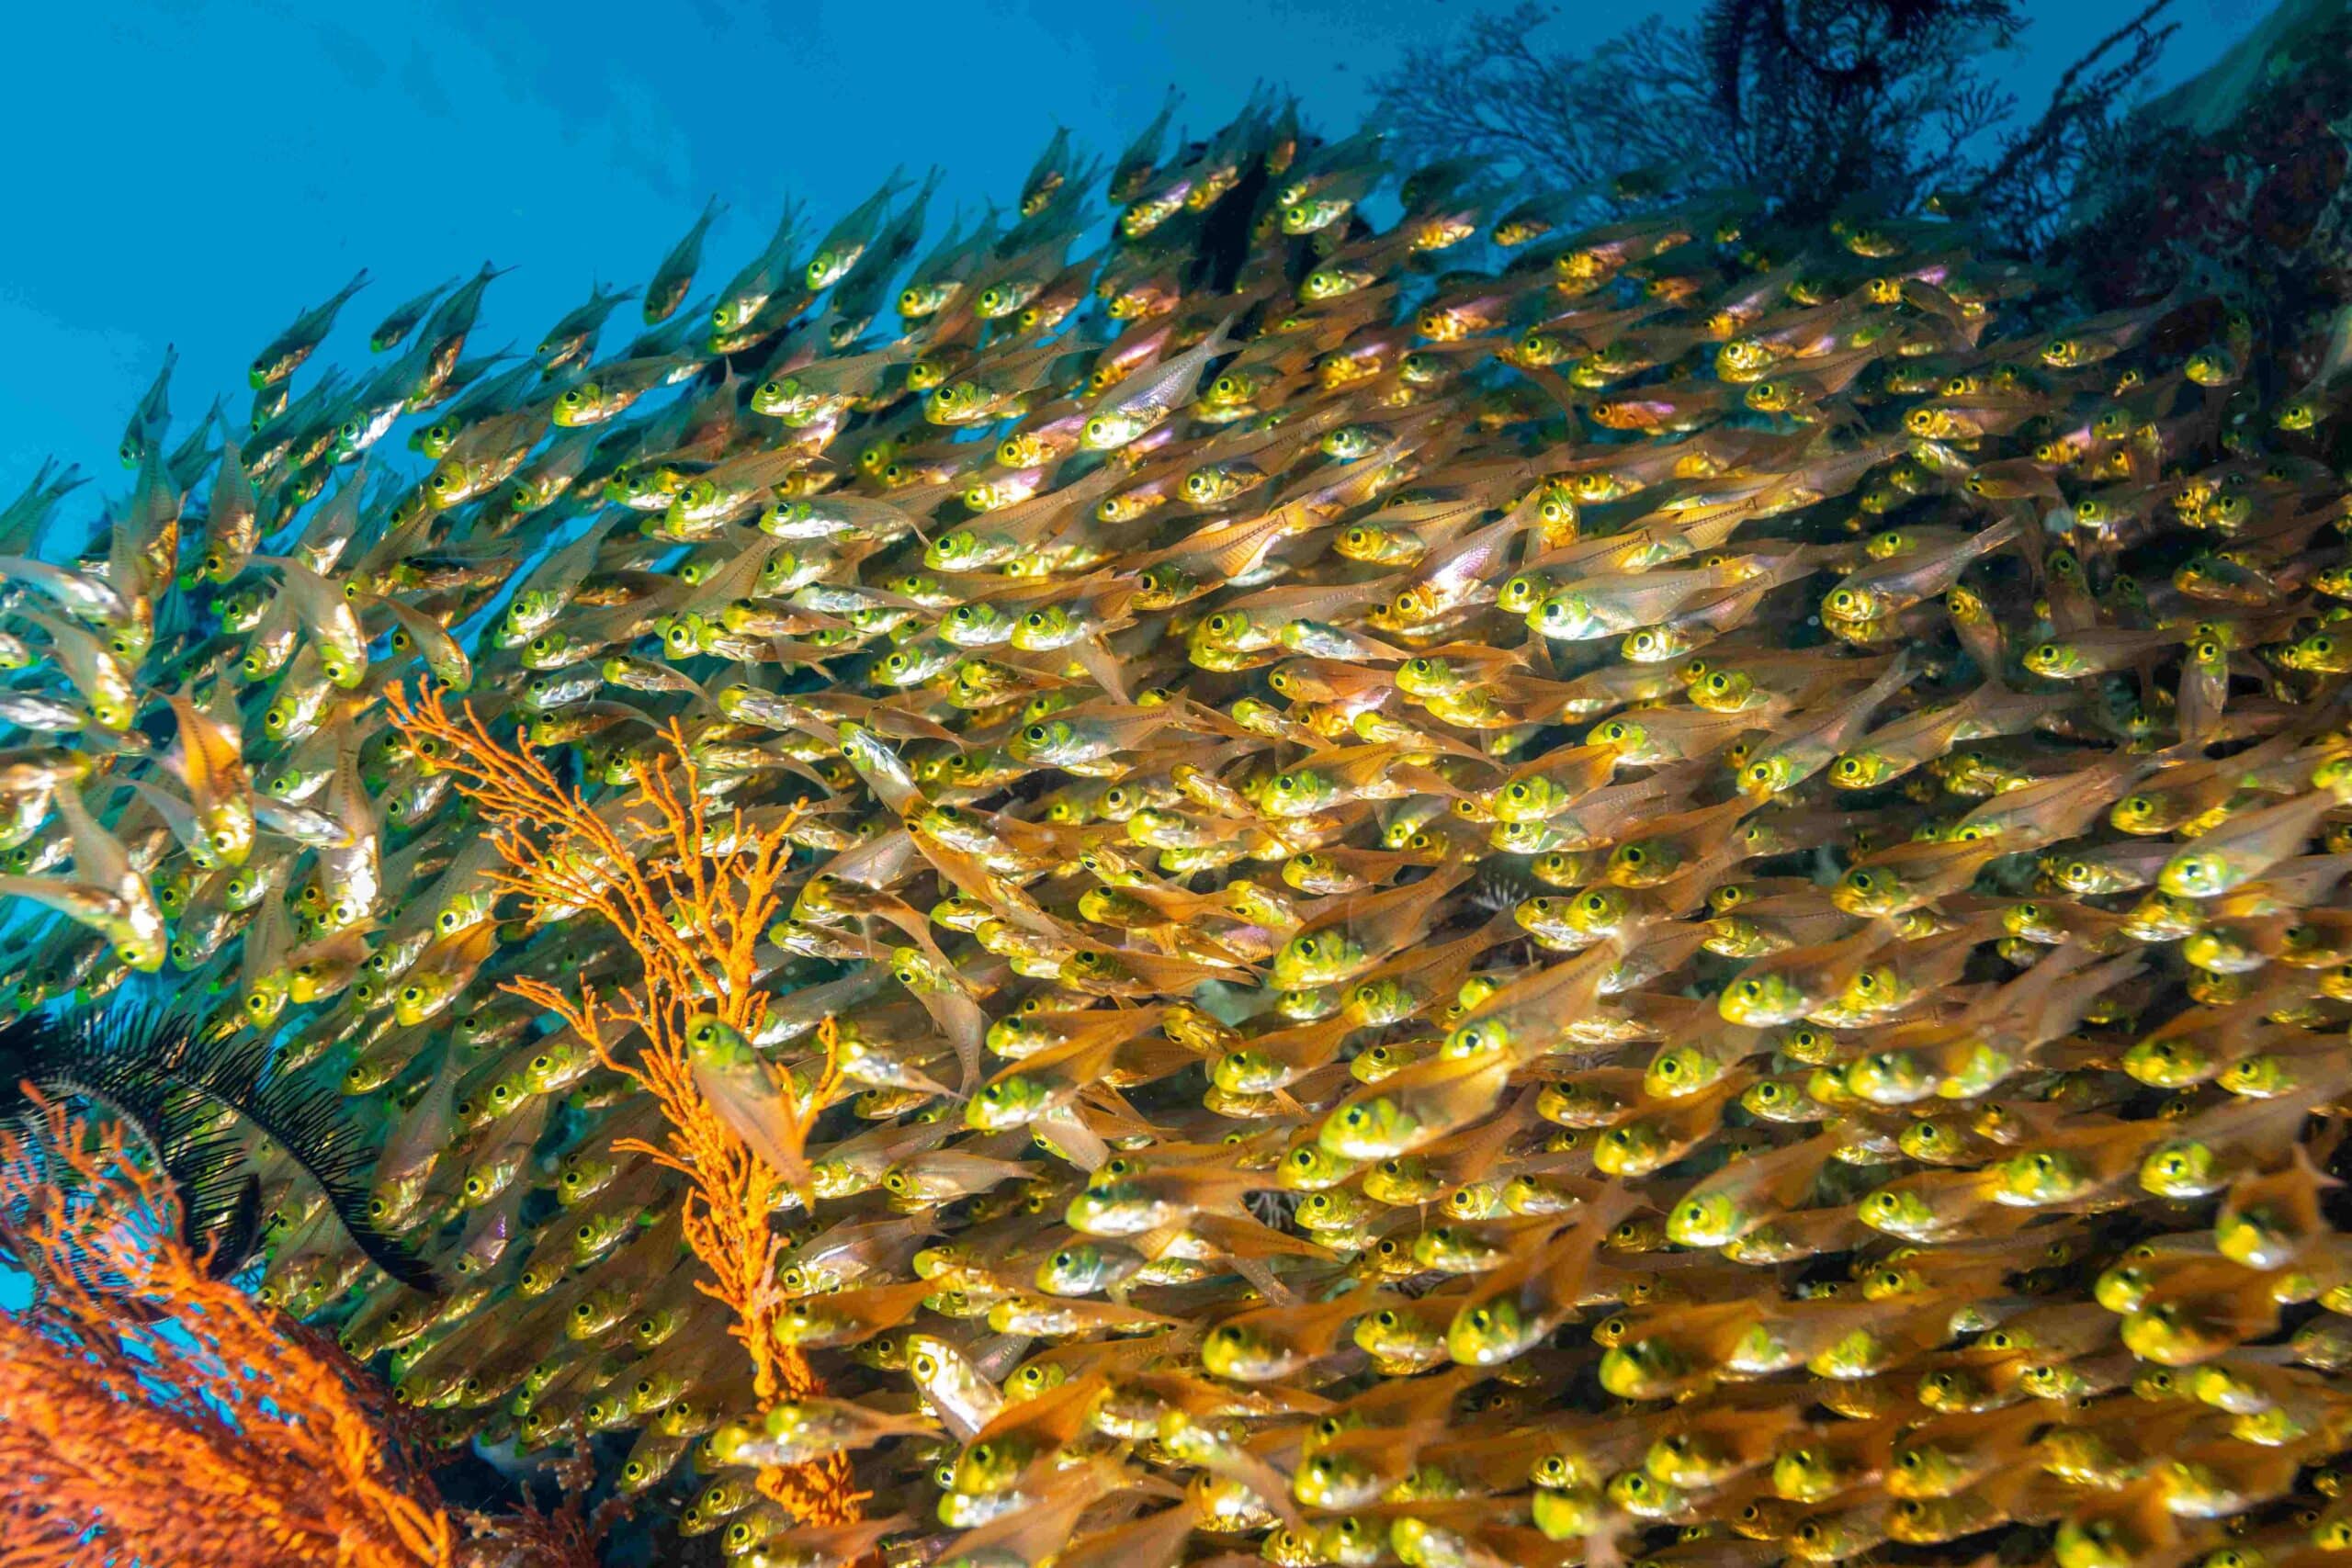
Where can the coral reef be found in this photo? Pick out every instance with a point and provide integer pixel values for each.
(1472, 889)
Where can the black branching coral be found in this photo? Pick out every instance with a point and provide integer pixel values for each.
(1856, 108)
(196, 1094)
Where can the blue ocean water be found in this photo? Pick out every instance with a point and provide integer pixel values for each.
(196, 173)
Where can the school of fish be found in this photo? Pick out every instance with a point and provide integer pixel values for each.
(1495, 892)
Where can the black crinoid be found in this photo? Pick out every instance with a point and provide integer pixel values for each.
(196, 1094)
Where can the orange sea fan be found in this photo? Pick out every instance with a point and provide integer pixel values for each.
(693, 897)
(151, 1412)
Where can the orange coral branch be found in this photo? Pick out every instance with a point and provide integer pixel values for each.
(692, 899)
(220, 1439)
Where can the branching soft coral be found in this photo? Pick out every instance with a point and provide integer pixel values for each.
(151, 1413)
(692, 897)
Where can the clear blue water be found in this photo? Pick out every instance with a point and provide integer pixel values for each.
(198, 173)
